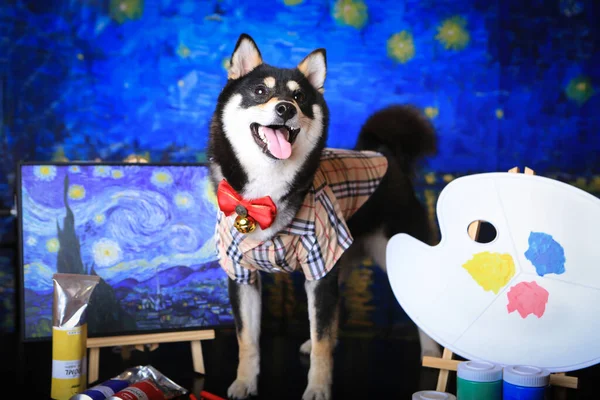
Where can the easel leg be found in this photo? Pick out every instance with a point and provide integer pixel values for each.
(197, 357)
(560, 393)
(442, 383)
(93, 364)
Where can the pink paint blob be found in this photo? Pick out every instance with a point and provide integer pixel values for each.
(527, 298)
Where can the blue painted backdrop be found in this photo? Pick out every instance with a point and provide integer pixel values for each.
(505, 82)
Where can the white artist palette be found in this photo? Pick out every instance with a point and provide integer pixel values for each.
(544, 312)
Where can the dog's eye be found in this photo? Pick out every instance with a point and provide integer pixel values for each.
(260, 90)
(299, 96)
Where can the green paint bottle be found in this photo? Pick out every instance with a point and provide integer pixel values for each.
(478, 380)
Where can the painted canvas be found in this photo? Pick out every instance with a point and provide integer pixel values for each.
(145, 229)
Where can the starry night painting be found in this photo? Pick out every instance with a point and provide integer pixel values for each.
(146, 230)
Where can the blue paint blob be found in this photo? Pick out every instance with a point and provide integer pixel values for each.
(546, 254)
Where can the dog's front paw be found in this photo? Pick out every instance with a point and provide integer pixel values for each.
(242, 389)
(317, 393)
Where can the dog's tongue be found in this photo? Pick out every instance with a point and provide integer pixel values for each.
(276, 142)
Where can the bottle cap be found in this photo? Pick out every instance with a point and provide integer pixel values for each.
(432, 395)
(526, 375)
(479, 371)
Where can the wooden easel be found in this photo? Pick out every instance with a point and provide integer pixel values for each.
(150, 340)
(446, 364)
(153, 340)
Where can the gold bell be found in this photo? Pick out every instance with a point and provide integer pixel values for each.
(243, 222)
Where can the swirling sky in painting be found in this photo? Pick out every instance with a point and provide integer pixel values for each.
(151, 225)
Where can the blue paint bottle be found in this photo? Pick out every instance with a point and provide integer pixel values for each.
(524, 382)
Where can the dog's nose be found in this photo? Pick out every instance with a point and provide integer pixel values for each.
(285, 110)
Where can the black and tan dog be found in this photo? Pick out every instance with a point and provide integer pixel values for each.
(289, 203)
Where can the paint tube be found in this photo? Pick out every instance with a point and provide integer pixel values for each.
(204, 395)
(108, 388)
(155, 387)
(72, 293)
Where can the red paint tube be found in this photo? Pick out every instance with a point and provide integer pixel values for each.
(143, 390)
(204, 395)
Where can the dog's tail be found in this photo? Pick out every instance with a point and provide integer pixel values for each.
(401, 131)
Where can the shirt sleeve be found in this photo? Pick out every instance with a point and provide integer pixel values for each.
(354, 178)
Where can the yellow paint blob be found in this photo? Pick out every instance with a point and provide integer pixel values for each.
(430, 178)
(453, 33)
(400, 47)
(491, 271)
(53, 245)
(76, 192)
(183, 51)
(448, 178)
(351, 12)
(431, 112)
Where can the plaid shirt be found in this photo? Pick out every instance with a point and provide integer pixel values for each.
(318, 235)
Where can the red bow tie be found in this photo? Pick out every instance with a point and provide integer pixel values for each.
(263, 210)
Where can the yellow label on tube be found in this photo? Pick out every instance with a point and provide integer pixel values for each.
(69, 361)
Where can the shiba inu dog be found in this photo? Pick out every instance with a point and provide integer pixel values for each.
(287, 202)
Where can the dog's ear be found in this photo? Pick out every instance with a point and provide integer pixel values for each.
(314, 67)
(245, 57)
